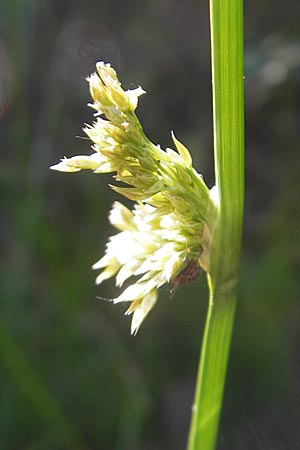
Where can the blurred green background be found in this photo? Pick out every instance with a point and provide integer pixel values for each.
(71, 376)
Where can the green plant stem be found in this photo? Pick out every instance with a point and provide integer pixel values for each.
(212, 370)
(226, 20)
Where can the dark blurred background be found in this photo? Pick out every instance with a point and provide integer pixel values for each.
(71, 376)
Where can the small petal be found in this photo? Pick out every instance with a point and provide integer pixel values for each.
(143, 310)
(126, 271)
(124, 246)
(120, 99)
(149, 265)
(134, 292)
(107, 73)
(107, 167)
(85, 162)
(121, 217)
(109, 272)
(183, 176)
(182, 150)
(133, 96)
(131, 193)
(173, 265)
(104, 261)
(98, 92)
(76, 163)
(64, 167)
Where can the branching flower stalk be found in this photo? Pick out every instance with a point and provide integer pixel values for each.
(177, 225)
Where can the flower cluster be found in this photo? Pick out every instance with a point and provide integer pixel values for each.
(169, 229)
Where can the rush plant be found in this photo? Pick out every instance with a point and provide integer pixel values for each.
(177, 224)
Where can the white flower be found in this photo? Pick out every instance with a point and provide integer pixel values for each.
(167, 236)
(150, 246)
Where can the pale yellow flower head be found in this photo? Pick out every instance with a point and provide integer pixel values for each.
(169, 229)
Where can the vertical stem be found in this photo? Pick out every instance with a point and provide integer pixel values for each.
(212, 370)
(226, 20)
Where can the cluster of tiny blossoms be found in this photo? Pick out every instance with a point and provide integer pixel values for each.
(169, 229)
